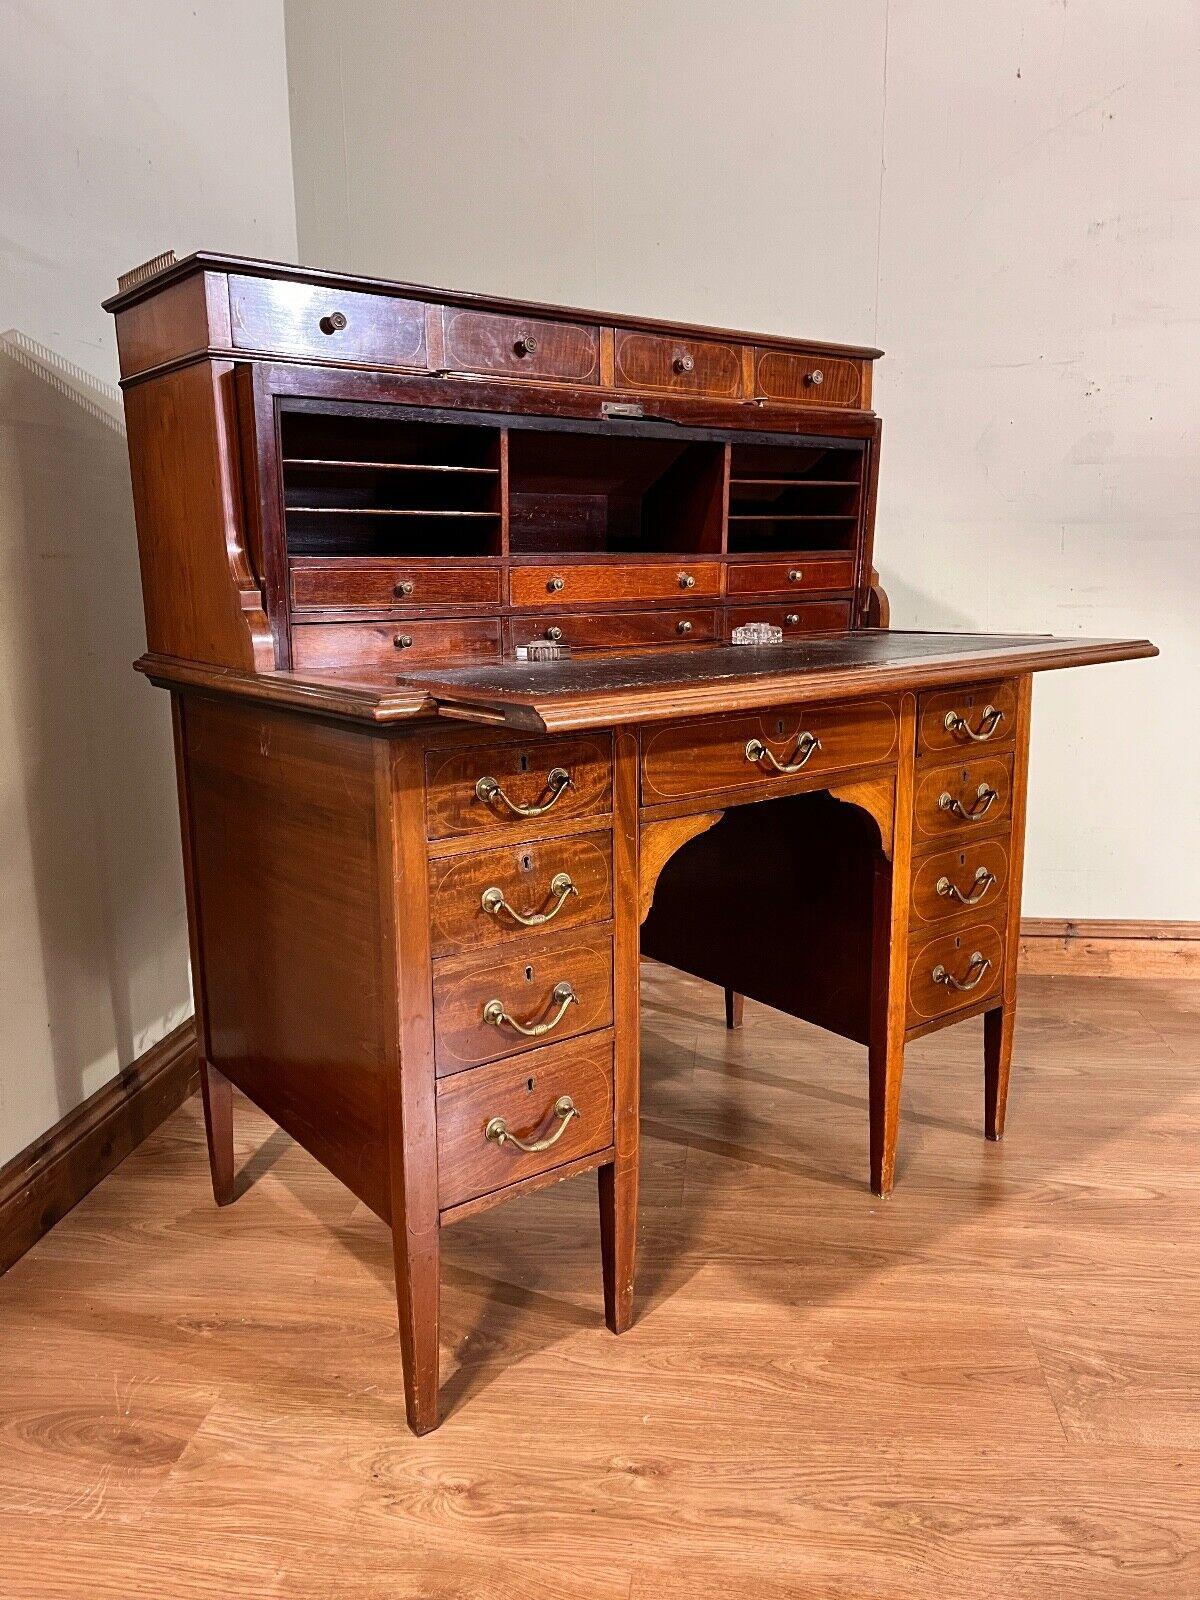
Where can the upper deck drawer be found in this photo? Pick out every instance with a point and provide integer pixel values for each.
(302, 319)
(522, 347)
(686, 759)
(807, 380)
(386, 584)
(790, 577)
(502, 786)
(584, 584)
(697, 366)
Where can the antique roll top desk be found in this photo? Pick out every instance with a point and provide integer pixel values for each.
(420, 869)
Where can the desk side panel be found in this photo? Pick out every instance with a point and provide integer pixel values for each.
(285, 842)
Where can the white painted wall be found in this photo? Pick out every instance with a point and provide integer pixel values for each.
(127, 126)
(1039, 302)
(1004, 197)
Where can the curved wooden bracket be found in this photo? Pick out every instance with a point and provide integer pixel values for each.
(877, 797)
(659, 842)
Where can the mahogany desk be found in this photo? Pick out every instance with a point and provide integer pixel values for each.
(419, 871)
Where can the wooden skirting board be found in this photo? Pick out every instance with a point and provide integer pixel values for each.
(44, 1181)
(1095, 949)
(41, 1184)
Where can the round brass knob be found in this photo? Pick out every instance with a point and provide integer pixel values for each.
(683, 362)
(402, 589)
(816, 378)
(525, 344)
(792, 618)
(686, 581)
(683, 627)
(402, 641)
(333, 323)
(795, 575)
(554, 634)
(556, 585)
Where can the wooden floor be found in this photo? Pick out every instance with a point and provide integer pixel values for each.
(987, 1386)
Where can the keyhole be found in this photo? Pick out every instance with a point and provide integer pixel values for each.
(528, 974)
(529, 1085)
(526, 863)
(962, 860)
(958, 943)
(523, 764)
(779, 727)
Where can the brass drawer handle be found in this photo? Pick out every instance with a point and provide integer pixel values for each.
(333, 323)
(403, 588)
(757, 751)
(561, 887)
(976, 811)
(556, 585)
(989, 724)
(554, 633)
(558, 779)
(978, 965)
(796, 575)
(683, 362)
(686, 581)
(683, 627)
(498, 1129)
(525, 344)
(981, 883)
(816, 378)
(495, 1013)
(403, 641)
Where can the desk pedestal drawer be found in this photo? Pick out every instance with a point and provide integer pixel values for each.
(967, 797)
(491, 896)
(496, 1002)
(801, 618)
(954, 970)
(966, 719)
(559, 1098)
(970, 876)
(502, 786)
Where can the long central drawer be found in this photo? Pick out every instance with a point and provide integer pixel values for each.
(687, 759)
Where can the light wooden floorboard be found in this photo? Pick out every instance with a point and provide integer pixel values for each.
(987, 1386)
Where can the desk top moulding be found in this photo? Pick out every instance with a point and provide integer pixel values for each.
(412, 851)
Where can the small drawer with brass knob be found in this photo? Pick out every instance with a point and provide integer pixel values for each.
(617, 630)
(301, 319)
(500, 1124)
(546, 985)
(658, 361)
(793, 378)
(331, 584)
(814, 574)
(589, 583)
(375, 645)
(523, 347)
(491, 897)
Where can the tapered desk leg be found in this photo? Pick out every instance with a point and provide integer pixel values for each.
(412, 1121)
(619, 1181)
(889, 967)
(217, 1094)
(418, 1267)
(735, 1008)
(618, 1239)
(999, 1024)
(997, 1060)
